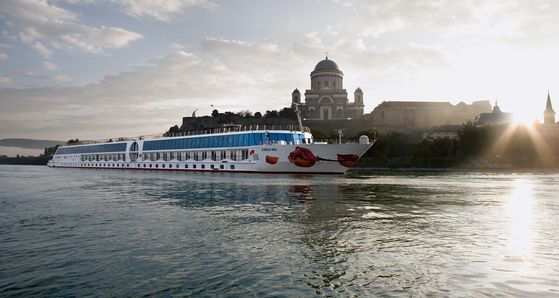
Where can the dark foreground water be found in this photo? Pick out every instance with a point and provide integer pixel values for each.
(70, 232)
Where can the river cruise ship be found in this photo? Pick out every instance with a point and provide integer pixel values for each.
(226, 149)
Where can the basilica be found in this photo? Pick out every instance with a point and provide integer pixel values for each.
(327, 98)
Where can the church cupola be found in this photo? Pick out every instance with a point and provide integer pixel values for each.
(296, 96)
(358, 96)
(549, 114)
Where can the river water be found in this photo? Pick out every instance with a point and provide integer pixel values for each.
(71, 232)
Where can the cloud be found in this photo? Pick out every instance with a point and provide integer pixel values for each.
(161, 10)
(44, 22)
(4, 81)
(468, 20)
(47, 65)
(40, 48)
(3, 56)
(231, 75)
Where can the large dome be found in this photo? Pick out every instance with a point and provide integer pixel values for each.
(326, 65)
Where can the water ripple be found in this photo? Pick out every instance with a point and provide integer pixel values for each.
(118, 233)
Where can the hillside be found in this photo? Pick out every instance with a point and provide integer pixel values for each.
(29, 143)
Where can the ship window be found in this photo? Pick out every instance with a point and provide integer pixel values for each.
(186, 166)
(212, 141)
(250, 139)
(194, 166)
(258, 139)
(163, 165)
(212, 167)
(232, 167)
(203, 166)
(150, 165)
(226, 141)
(177, 166)
(221, 167)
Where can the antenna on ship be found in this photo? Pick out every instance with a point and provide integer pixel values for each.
(296, 105)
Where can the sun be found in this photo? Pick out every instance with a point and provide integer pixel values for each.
(523, 119)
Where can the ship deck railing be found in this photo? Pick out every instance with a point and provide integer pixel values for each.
(236, 128)
(225, 129)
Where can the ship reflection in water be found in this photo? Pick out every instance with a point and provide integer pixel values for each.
(113, 233)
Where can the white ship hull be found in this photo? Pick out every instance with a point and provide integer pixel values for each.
(325, 158)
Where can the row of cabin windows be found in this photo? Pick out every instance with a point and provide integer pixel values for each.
(151, 166)
(197, 155)
(237, 140)
(103, 157)
(166, 156)
(115, 147)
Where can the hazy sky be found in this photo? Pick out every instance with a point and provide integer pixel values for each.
(99, 69)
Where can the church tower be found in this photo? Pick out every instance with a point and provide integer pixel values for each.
(549, 114)
(358, 96)
(296, 96)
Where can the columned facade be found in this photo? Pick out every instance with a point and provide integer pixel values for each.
(327, 99)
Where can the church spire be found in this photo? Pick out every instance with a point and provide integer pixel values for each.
(549, 114)
(548, 106)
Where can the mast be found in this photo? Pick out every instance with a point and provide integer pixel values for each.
(298, 116)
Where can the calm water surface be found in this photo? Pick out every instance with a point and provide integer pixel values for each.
(128, 233)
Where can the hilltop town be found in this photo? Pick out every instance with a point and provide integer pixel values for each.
(411, 133)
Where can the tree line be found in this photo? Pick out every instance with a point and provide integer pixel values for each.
(476, 146)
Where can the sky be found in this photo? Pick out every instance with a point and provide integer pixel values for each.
(95, 69)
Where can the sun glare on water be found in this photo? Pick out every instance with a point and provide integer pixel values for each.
(519, 208)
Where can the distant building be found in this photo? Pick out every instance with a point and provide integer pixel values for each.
(439, 132)
(327, 99)
(494, 118)
(416, 115)
(549, 114)
(550, 128)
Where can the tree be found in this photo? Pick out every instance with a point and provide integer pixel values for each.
(215, 113)
(271, 114)
(257, 115)
(245, 113)
(287, 113)
(172, 130)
